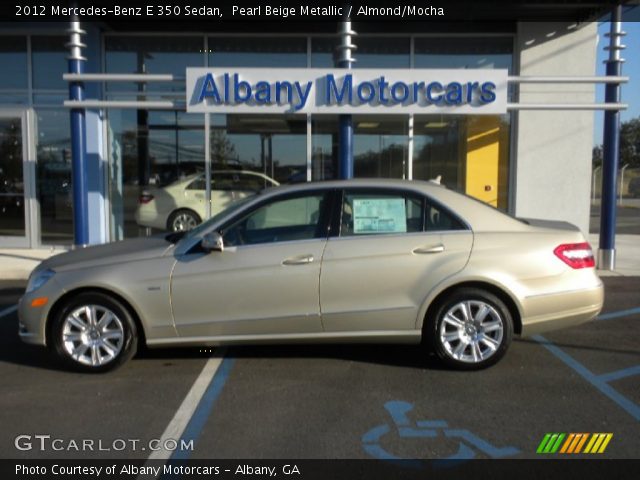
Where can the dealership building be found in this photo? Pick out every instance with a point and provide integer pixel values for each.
(518, 134)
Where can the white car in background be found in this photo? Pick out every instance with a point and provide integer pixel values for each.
(181, 205)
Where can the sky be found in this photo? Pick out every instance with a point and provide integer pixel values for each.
(630, 68)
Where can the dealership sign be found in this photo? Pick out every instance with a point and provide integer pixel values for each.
(314, 90)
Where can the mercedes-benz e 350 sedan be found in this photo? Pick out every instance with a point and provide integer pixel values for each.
(344, 261)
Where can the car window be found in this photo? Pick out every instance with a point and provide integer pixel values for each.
(371, 213)
(251, 183)
(438, 219)
(296, 218)
(197, 184)
(232, 181)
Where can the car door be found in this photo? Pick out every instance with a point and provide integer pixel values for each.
(265, 281)
(393, 248)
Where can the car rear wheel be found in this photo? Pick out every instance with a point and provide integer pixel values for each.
(183, 220)
(471, 329)
(93, 332)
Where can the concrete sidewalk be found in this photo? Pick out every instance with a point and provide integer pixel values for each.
(627, 255)
(16, 264)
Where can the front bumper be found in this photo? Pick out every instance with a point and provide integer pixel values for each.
(32, 321)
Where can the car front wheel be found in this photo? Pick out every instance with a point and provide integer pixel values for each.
(471, 329)
(93, 332)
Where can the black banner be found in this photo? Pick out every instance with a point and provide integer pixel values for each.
(323, 469)
(200, 12)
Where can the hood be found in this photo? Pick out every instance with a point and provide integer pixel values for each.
(109, 253)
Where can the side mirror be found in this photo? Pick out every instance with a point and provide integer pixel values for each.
(212, 242)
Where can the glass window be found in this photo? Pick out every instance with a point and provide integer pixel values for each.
(469, 154)
(13, 58)
(271, 145)
(11, 178)
(372, 52)
(53, 178)
(382, 52)
(285, 220)
(380, 146)
(257, 52)
(323, 51)
(375, 213)
(49, 62)
(438, 219)
(150, 150)
(142, 54)
(484, 52)
(438, 149)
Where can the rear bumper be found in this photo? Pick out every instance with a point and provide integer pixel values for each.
(147, 217)
(547, 312)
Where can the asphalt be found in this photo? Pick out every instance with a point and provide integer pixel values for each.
(341, 401)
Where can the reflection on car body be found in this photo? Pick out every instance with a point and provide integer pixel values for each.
(342, 261)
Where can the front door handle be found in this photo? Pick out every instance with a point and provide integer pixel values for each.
(430, 249)
(298, 260)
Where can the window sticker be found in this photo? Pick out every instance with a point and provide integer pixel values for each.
(379, 215)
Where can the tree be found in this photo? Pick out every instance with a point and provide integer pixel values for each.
(222, 149)
(629, 145)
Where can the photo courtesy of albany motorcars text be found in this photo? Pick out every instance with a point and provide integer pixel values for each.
(384, 261)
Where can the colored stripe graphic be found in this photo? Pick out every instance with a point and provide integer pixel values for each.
(573, 443)
(550, 443)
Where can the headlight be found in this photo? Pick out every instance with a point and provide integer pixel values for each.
(38, 279)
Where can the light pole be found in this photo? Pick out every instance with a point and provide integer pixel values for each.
(80, 186)
(345, 129)
(611, 148)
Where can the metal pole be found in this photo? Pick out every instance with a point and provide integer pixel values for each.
(624, 167)
(593, 185)
(611, 148)
(345, 130)
(79, 181)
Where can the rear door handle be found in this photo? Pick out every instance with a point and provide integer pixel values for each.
(298, 260)
(430, 249)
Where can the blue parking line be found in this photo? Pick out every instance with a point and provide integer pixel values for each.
(623, 402)
(203, 411)
(621, 313)
(619, 374)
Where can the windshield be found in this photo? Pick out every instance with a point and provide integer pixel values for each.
(216, 218)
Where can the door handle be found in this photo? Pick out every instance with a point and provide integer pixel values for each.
(430, 249)
(298, 260)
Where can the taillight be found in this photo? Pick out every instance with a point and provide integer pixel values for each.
(576, 255)
(145, 197)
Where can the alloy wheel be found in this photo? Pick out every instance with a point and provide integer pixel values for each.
(471, 331)
(93, 335)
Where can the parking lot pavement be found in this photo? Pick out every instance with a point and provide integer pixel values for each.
(134, 403)
(344, 401)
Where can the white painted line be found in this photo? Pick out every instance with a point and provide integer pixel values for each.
(182, 416)
(8, 310)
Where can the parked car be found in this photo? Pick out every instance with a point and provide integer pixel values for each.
(380, 261)
(181, 205)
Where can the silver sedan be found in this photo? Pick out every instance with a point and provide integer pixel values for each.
(344, 261)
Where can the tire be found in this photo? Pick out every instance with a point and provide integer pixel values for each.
(79, 340)
(182, 220)
(474, 344)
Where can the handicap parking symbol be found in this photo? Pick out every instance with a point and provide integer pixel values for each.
(469, 444)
